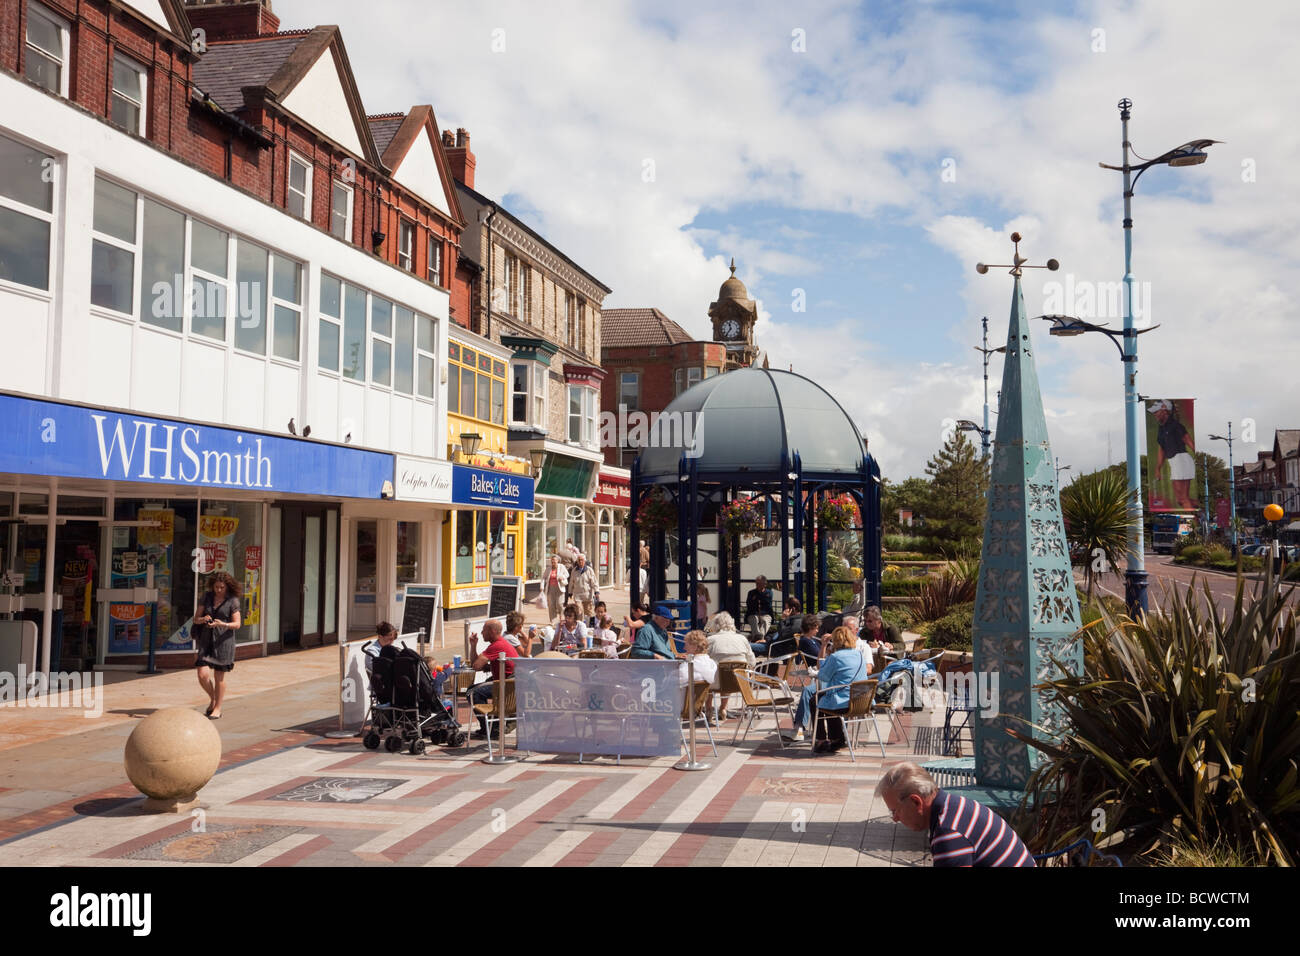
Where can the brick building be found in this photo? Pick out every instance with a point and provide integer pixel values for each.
(226, 290)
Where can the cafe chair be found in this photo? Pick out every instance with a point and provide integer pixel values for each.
(761, 691)
(693, 706)
(727, 683)
(488, 711)
(591, 654)
(860, 710)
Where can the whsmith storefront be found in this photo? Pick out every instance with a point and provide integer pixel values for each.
(110, 518)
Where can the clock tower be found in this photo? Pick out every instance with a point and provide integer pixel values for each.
(734, 315)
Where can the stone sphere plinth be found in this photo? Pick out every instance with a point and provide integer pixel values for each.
(170, 756)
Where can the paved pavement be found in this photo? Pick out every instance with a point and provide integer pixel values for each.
(287, 795)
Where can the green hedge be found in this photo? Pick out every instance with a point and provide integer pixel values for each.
(901, 587)
(954, 630)
(896, 617)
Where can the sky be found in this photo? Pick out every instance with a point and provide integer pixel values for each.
(858, 160)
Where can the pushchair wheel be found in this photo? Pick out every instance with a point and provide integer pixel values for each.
(438, 735)
(371, 741)
(393, 743)
(456, 738)
(417, 746)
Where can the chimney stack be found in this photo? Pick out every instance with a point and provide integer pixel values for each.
(459, 156)
(230, 19)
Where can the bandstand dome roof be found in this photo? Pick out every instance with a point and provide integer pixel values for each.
(754, 420)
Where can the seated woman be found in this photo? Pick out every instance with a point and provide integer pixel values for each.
(726, 644)
(570, 634)
(844, 665)
(515, 636)
(705, 667)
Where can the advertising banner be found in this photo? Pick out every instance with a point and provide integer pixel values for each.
(252, 598)
(617, 708)
(128, 625)
(157, 544)
(216, 539)
(1171, 455)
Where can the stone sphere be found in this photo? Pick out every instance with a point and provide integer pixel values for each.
(172, 754)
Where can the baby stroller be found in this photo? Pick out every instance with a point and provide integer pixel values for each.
(403, 707)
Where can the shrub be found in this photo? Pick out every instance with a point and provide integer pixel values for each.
(896, 617)
(1168, 738)
(902, 542)
(1191, 552)
(1217, 554)
(954, 630)
(901, 587)
(941, 593)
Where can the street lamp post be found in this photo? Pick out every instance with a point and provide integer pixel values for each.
(1205, 494)
(1060, 468)
(1189, 154)
(984, 433)
(1232, 487)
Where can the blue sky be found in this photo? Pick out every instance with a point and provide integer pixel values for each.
(812, 145)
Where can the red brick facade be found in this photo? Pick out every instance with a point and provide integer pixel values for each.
(252, 153)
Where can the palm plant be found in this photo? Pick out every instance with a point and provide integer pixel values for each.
(1095, 508)
(1184, 731)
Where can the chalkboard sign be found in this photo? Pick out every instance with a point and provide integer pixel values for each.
(506, 593)
(420, 609)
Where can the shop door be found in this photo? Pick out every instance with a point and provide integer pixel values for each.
(302, 575)
(365, 576)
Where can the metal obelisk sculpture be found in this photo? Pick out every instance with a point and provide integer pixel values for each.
(1026, 608)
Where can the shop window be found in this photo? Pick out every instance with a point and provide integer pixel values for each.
(210, 267)
(331, 314)
(47, 50)
(408, 552)
(27, 215)
(470, 561)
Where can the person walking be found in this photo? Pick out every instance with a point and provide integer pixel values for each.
(216, 621)
(557, 579)
(584, 588)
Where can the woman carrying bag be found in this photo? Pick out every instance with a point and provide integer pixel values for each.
(216, 621)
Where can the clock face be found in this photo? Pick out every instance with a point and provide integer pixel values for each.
(731, 329)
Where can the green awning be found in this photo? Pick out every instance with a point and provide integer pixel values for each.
(565, 477)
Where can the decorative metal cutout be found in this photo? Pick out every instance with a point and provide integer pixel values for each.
(1043, 498)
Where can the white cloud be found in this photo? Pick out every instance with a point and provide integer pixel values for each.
(733, 118)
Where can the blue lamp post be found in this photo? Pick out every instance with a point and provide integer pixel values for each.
(1189, 154)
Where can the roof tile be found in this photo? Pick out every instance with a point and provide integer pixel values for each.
(226, 68)
(622, 328)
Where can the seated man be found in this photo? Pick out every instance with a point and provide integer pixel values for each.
(844, 666)
(963, 832)
(758, 609)
(652, 642)
(497, 657)
(791, 619)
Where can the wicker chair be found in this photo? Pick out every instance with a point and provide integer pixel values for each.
(760, 691)
(693, 709)
(727, 683)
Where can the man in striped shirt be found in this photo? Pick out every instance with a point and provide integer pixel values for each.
(963, 832)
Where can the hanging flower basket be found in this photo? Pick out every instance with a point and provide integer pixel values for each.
(657, 513)
(836, 514)
(741, 517)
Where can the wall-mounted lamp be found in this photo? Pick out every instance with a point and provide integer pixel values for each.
(536, 456)
(469, 442)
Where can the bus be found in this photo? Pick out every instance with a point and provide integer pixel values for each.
(1166, 529)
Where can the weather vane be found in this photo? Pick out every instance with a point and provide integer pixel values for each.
(1018, 262)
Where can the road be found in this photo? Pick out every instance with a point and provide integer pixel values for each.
(1167, 578)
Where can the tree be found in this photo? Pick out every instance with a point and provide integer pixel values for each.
(910, 494)
(955, 503)
(1095, 509)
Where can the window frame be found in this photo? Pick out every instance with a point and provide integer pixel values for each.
(406, 244)
(337, 184)
(623, 377)
(65, 33)
(290, 192)
(585, 415)
(143, 72)
(35, 212)
(433, 259)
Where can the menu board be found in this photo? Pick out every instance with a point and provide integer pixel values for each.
(507, 590)
(420, 609)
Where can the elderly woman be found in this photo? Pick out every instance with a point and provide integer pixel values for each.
(844, 665)
(555, 579)
(705, 667)
(216, 621)
(726, 644)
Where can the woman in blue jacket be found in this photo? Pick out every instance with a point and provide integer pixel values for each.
(844, 665)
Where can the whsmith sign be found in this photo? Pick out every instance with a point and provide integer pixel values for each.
(71, 441)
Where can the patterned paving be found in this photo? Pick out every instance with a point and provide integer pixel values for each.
(298, 799)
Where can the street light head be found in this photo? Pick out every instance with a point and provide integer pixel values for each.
(981, 268)
(1217, 438)
(1015, 237)
(1053, 265)
(1063, 325)
(1190, 158)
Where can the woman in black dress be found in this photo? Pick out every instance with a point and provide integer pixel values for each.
(216, 620)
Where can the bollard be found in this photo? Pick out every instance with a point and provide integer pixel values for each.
(689, 762)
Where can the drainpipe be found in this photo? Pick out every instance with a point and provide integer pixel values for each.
(487, 312)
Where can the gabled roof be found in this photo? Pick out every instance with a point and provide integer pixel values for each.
(166, 15)
(473, 254)
(1287, 442)
(238, 74)
(398, 137)
(621, 328)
